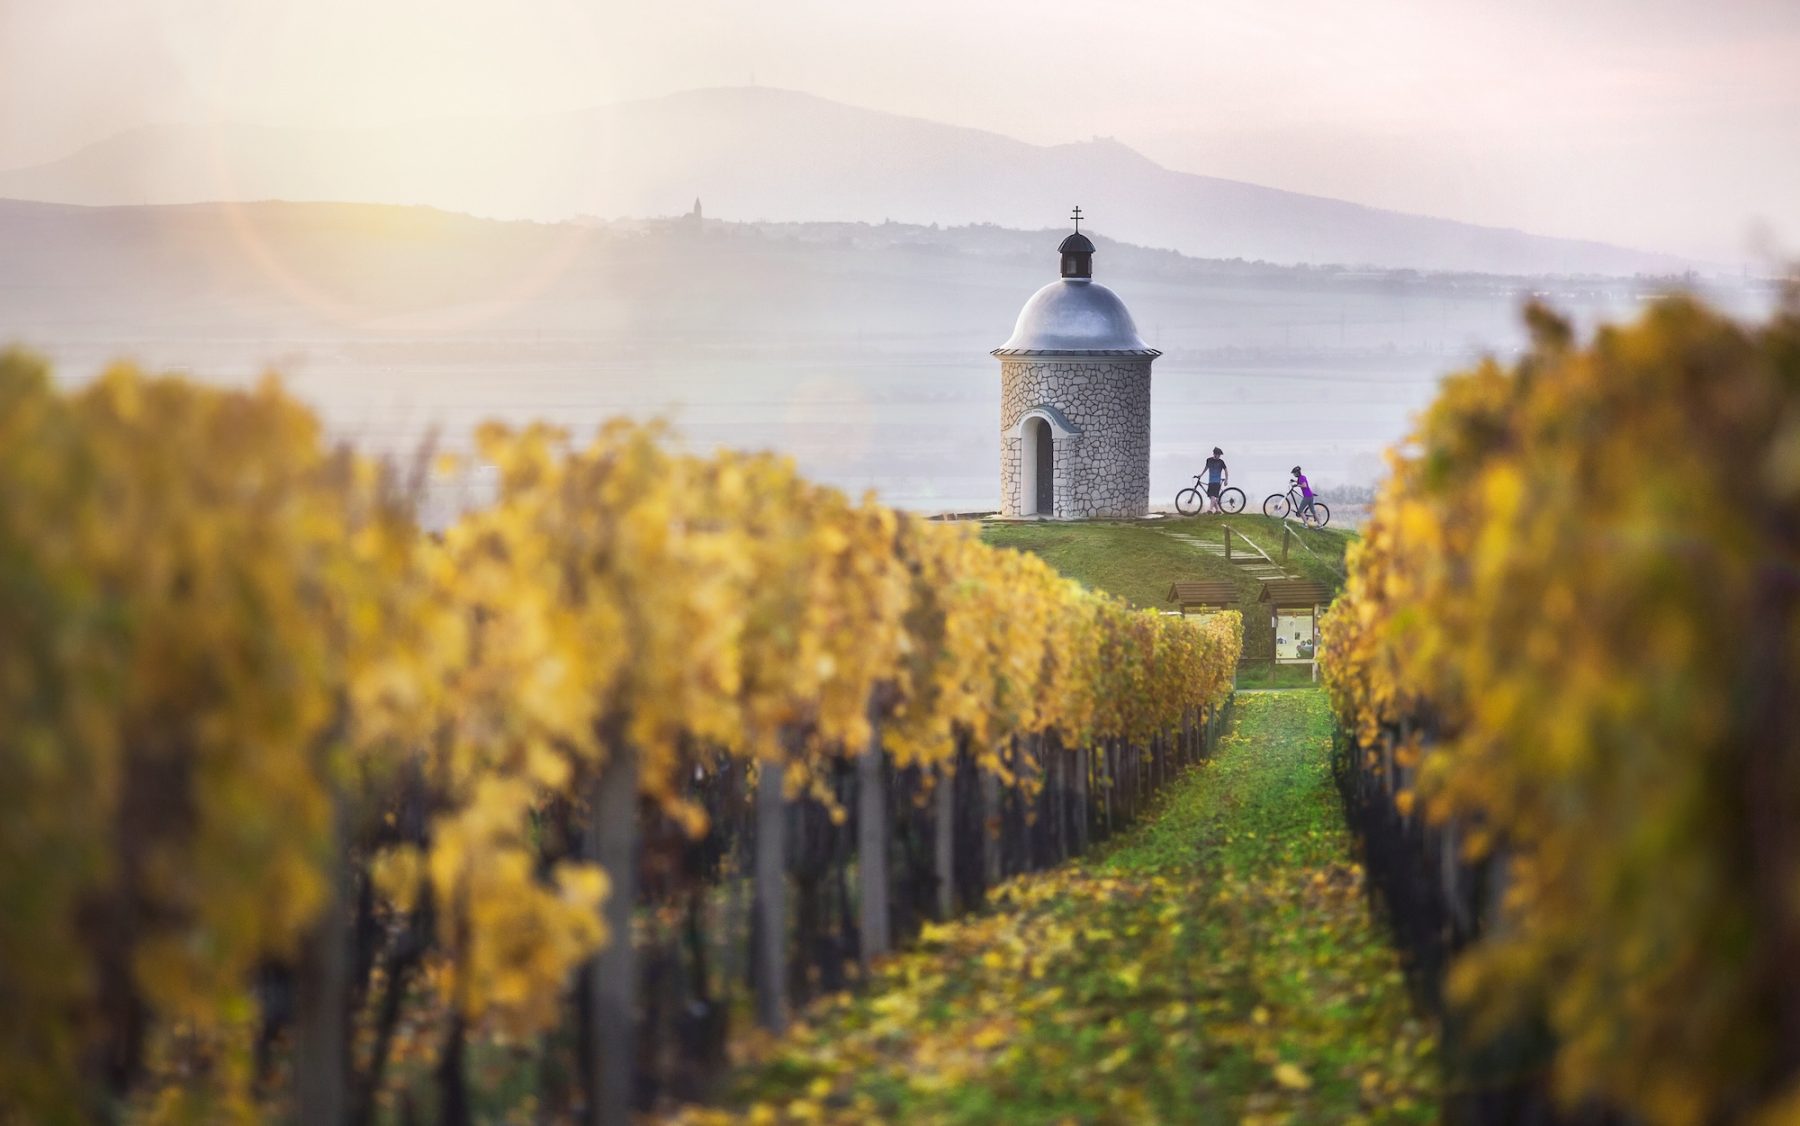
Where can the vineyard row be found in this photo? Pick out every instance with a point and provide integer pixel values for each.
(304, 811)
(1565, 667)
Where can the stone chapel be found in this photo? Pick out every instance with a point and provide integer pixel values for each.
(1075, 400)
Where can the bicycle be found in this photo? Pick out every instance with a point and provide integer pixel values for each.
(1190, 501)
(1281, 505)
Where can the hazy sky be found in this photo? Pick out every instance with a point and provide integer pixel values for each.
(1666, 124)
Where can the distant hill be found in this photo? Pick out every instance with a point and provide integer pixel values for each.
(362, 269)
(763, 154)
(860, 348)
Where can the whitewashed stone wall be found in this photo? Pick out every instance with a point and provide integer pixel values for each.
(1104, 470)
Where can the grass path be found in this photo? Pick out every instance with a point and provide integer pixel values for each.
(1217, 964)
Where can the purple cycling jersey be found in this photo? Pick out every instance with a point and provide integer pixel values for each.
(1305, 485)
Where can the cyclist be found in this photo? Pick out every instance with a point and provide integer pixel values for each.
(1217, 477)
(1307, 515)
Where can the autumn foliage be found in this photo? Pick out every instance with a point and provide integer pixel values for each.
(1571, 632)
(240, 692)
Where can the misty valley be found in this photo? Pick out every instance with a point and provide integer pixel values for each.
(861, 349)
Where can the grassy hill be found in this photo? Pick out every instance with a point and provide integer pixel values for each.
(1138, 560)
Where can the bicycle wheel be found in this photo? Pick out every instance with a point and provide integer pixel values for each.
(1276, 505)
(1188, 501)
(1232, 500)
(1321, 514)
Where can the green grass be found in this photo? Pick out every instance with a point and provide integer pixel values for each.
(1324, 563)
(1217, 964)
(1137, 561)
(1269, 675)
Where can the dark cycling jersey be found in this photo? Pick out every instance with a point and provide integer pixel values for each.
(1214, 468)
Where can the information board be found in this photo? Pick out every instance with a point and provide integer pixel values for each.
(1296, 636)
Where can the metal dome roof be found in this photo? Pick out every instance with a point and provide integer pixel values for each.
(1075, 316)
(1076, 243)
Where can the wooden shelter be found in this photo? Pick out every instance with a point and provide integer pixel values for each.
(1282, 594)
(1204, 596)
(1294, 609)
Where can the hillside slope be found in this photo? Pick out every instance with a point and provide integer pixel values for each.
(1138, 561)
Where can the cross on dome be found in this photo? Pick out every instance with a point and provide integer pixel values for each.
(1077, 252)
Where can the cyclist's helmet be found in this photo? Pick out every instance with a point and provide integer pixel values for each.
(1296, 471)
(1217, 452)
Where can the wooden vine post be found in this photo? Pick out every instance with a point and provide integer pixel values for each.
(872, 843)
(1082, 759)
(771, 896)
(322, 1054)
(990, 827)
(612, 841)
(943, 799)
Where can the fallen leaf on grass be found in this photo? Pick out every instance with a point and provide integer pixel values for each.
(1290, 1076)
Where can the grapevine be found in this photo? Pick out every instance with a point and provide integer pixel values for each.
(1564, 642)
(250, 712)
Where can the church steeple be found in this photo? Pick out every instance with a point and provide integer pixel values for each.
(1077, 252)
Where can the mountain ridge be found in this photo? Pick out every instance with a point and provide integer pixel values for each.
(760, 153)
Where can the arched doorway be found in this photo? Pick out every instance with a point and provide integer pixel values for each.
(1037, 462)
(1038, 432)
(1046, 467)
